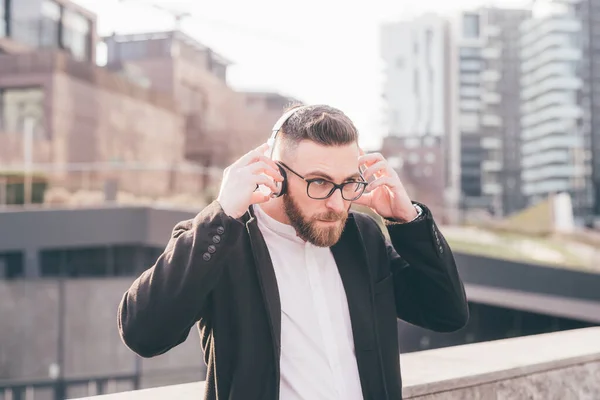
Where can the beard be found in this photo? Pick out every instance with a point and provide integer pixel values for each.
(308, 229)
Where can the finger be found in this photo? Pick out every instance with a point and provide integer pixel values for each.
(253, 155)
(259, 197)
(370, 159)
(365, 200)
(383, 181)
(267, 181)
(377, 167)
(266, 168)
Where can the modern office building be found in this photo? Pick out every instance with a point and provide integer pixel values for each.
(417, 94)
(555, 145)
(588, 13)
(487, 82)
(415, 89)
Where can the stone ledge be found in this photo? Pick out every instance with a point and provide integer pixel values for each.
(481, 370)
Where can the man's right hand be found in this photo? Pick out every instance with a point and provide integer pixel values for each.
(240, 179)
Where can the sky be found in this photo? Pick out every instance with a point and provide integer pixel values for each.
(318, 51)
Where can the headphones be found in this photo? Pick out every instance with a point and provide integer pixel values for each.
(271, 142)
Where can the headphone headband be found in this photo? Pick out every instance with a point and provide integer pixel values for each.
(279, 124)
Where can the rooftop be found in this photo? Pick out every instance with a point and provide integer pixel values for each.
(172, 34)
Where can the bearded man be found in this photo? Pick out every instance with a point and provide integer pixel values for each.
(295, 295)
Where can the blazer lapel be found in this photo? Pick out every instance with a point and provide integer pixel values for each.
(351, 258)
(267, 280)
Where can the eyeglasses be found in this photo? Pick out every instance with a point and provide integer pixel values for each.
(321, 189)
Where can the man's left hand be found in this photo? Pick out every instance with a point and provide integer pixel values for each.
(385, 194)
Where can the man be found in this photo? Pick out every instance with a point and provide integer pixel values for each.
(296, 296)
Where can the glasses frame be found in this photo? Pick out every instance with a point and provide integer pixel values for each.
(308, 181)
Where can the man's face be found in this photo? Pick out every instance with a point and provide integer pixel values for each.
(319, 222)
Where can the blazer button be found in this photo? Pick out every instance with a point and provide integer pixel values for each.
(212, 249)
(220, 230)
(216, 239)
(206, 257)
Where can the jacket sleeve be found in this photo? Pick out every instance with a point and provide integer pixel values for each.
(428, 289)
(157, 312)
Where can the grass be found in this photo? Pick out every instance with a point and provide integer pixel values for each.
(515, 247)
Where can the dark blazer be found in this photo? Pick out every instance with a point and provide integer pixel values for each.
(216, 271)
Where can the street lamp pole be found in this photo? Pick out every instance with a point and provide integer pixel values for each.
(28, 159)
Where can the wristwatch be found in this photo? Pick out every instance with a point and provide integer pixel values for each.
(419, 212)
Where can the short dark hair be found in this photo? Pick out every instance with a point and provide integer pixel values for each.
(321, 124)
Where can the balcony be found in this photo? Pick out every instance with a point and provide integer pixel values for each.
(491, 166)
(490, 75)
(491, 98)
(562, 365)
(491, 120)
(491, 53)
(491, 143)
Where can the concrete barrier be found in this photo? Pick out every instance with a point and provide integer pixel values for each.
(563, 365)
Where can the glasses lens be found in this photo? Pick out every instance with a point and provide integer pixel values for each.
(319, 189)
(352, 190)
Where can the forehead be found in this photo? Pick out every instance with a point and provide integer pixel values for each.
(338, 162)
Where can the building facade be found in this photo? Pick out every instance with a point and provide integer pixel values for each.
(82, 115)
(421, 164)
(85, 126)
(415, 88)
(588, 13)
(554, 145)
(417, 93)
(48, 24)
(219, 127)
(488, 108)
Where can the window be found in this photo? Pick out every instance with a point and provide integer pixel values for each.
(11, 265)
(17, 106)
(429, 141)
(470, 51)
(430, 158)
(411, 143)
(76, 35)
(471, 25)
(470, 65)
(3, 19)
(50, 25)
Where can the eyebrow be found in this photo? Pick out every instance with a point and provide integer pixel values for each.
(326, 176)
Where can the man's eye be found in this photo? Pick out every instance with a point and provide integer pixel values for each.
(319, 182)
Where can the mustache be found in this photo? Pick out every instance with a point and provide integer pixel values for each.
(332, 216)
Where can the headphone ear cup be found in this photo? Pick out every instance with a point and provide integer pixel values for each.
(282, 185)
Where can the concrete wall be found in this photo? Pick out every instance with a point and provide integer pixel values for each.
(92, 346)
(556, 366)
(498, 273)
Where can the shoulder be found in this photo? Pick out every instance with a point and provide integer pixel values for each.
(367, 224)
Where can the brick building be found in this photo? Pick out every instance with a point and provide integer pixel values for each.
(82, 114)
(268, 107)
(219, 123)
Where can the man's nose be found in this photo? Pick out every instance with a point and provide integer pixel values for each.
(336, 202)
